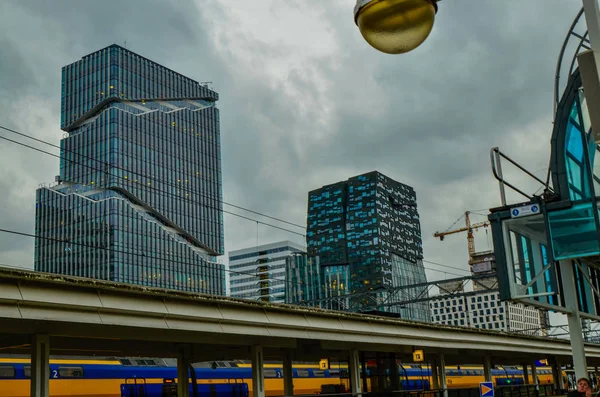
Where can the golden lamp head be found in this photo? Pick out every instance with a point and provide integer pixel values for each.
(395, 26)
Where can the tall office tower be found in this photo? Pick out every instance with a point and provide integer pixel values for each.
(139, 196)
(367, 235)
(260, 272)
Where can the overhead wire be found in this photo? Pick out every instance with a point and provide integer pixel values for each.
(9, 266)
(154, 188)
(455, 222)
(117, 251)
(144, 175)
(170, 260)
(161, 191)
(448, 266)
(179, 187)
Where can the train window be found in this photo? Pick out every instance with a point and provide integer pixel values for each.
(270, 373)
(70, 372)
(125, 361)
(334, 372)
(7, 372)
(232, 364)
(303, 373)
(318, 373)
(27, 372)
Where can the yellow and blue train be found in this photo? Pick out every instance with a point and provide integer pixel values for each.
(133, 377)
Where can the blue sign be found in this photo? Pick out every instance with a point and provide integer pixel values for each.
(486, 389)
(525, 210)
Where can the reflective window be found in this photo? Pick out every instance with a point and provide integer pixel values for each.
(70, 372)
(7, 371)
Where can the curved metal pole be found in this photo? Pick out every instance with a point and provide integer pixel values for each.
(560, 59)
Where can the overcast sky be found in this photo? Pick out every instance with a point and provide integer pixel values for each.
(305, 101)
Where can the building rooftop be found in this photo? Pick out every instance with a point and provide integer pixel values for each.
(149, 60)
(266, 247)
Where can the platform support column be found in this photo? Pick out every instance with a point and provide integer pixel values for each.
(183, 377)
(258, 376)
(487, 368)
(354, 363)
(534, 377)
(435, 378)
(442, 368)
(40, 366)
(288, 374)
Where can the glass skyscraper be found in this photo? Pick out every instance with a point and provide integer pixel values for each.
(367, 235)
(139, 195)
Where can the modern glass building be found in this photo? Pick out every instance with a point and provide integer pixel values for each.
(367, 235)
(303, 279)
(260, 272)
(139, 195)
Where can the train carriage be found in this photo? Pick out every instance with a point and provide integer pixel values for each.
(107, 377)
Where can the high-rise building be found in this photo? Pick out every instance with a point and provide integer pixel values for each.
(303, 280)
(260, 272)
(367, 235)
(485, 310)
(139, 195)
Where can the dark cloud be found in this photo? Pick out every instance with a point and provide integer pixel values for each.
(306, 102)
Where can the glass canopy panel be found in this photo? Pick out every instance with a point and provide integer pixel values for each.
(574, 156)
(573, 232)
(528, 272)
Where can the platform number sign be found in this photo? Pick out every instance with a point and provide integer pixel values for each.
(324, 363)
(525, 210)
(418, 356)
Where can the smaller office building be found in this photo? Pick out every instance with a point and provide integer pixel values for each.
(260, 272)
(485, 310)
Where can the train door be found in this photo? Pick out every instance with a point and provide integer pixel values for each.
(134, 387)
(169, 388)
(237, 385)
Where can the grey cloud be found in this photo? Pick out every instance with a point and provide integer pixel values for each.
(427, 118)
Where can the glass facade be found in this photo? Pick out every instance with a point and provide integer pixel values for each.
(141, 162)
(303, 277)
(367, 234)
(260, 273)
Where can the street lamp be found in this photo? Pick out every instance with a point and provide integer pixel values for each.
(395, 26)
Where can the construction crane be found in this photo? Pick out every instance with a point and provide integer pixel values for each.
(469, 229)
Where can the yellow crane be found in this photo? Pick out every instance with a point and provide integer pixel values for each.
(469, 229)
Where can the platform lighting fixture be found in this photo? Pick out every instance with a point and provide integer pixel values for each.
(395, 26)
